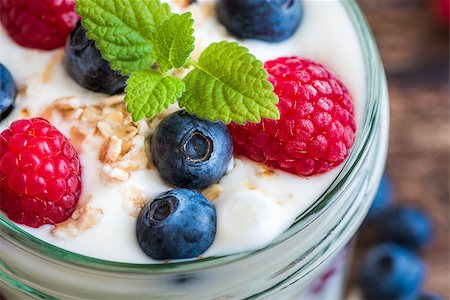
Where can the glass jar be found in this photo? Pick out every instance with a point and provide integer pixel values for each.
(290, 267)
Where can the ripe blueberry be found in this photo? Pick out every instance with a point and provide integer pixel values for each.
(8, 92)
(177, 224)
(267, 20)
(189, 152)
(407, 226)
(86, 66)
(391, 272)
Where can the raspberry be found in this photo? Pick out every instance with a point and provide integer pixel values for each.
(40, 175)
(41, 24)
(316, 128)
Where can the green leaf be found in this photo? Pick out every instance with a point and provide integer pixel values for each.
(229, 84)
(149, 93)
(173, 41)
(122, 30)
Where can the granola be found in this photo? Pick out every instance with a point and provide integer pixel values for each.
(82, 219)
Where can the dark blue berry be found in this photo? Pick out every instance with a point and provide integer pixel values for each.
(429, 296)
(8, 92)
(406, 226)
(189, 152)
(381, 201)
(267, 20)
(86, 66)
(177, 224)
(390, 272)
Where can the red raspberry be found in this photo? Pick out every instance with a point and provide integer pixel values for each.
(443, 11)
(316, 127)
(40, 175)
(41, 24)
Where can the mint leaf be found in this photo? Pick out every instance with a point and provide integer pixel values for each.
(122, 30)
(149, 93)
(229, 84)
(173, 41)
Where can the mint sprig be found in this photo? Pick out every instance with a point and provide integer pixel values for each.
(145, 40)
(173, 41)
(229, 84)
(122, 30)
(149, 93)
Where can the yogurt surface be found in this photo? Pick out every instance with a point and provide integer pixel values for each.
(254, 204)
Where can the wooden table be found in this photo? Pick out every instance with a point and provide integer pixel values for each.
(415, 50)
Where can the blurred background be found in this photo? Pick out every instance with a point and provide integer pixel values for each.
(414, 44)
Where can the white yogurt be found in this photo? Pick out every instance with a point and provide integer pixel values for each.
(252, 210)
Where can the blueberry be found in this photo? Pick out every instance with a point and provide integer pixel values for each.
(407, 226)
(86, 66)
(429, 296)
(177, 224)
(189, 152)
(267, 20)
(8, 92)
(381, 201)
(390, 271)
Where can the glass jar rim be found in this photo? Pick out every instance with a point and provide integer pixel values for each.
(372, 105)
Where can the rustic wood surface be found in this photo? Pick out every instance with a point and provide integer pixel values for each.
(414, 47)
